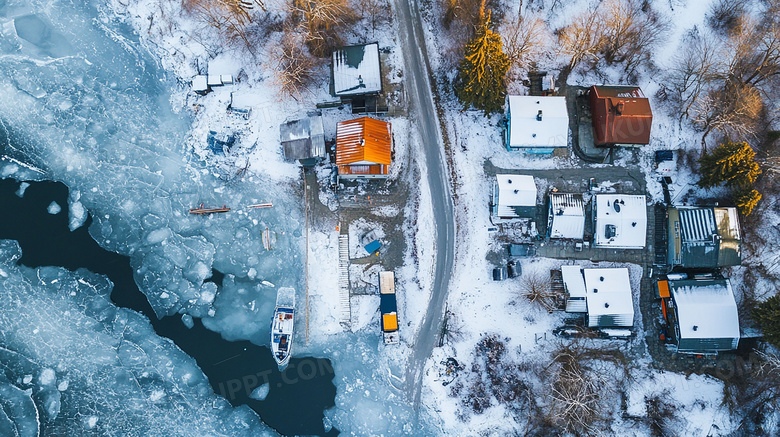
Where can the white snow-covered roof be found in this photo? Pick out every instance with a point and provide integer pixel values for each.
(537, 122)
(627, 214)
(224, 64)
(568, 216)
(707, 310)
(515, 190)
(356, 70)
(573, 280)
(608, 293)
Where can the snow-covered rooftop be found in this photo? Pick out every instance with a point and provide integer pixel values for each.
(515, 191)
(356, 70)
(705, 309)
(621, 221)
(537, 122)
(573, 280)
(608, 293)
(567, 215)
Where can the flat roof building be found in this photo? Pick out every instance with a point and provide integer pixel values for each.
(536, 124)
(620, 221)
(514, 196)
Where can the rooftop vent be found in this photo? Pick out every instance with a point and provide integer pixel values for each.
(601, 278)
(595, 290)
(606, 305)
(695, 328)
(517, 191)
(539, 115)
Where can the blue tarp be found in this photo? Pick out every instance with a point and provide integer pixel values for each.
(373, 246)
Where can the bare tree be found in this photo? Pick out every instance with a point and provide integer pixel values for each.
(535, 286)
(321, 21)
(734, 110)
(295, 66)
(373, 12)
(583, 380)
(695, 67)
(630, 31)
(230, 17)
(582, 39)
(754, 51)
(525, 39)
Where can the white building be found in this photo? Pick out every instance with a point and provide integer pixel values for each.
(566, 216)
(604, 294)
(536, 124)
(514, 196)
(620, 221)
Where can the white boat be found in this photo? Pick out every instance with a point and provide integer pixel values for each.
(282, 326)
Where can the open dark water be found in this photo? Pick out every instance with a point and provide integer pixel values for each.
(297, 396)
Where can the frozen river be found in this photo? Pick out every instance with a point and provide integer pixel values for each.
(84, 104)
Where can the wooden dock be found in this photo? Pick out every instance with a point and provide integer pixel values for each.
(204, 211)
(344, 303)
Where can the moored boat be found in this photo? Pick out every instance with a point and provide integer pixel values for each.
(282, 326)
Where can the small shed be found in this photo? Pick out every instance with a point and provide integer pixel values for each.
(702, 313)
(574, 288)
(621, 115)
(704, 237)
(566, 216)
(536, 124)
(303, 139)
(620, 221)
(609, 298)
(363, 148)
(355, 71)
(514, 196)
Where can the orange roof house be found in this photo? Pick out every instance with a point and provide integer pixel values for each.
(363, 148)
(621, 115)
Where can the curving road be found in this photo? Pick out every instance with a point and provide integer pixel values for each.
(423, 109)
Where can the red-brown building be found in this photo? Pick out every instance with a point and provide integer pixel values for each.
(363, 149)
(621, 115)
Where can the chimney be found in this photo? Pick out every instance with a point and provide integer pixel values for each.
(619, 108)
(539, 115)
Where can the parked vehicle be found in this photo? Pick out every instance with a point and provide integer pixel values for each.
(388, 307)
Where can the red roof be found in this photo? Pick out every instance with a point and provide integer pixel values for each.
(621, 115)
(363, 140)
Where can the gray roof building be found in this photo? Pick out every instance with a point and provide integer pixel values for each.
(303, 139)
(704, 237)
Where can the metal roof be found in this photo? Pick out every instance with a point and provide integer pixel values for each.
(303, 139)
(706, 309)
(356, 70)
(363, 140)
(566, 216)
(709, 237)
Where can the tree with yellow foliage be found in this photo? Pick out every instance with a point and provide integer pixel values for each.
(481, 82)
(733, 164)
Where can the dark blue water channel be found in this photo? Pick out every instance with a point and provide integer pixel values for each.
(297, 396)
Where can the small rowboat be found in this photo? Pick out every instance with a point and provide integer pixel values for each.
(203, 211)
